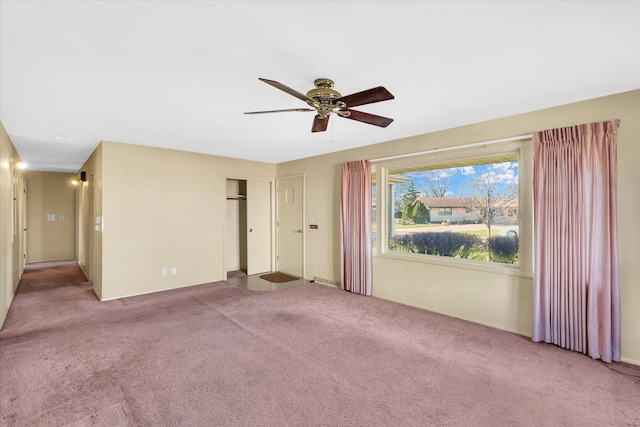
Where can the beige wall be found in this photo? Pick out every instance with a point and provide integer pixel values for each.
(12, 223)
(54, 194)
(496, 299)
(164, 209)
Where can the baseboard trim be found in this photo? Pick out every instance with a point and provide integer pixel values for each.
(155, 291)
(630, 361)
(326, 282)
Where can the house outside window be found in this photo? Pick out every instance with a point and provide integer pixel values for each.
(465, 207)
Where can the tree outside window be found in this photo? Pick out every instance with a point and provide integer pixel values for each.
(467, 210)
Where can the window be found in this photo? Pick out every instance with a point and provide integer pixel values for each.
(462, 205)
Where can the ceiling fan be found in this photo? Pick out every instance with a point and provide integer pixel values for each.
(324, 100)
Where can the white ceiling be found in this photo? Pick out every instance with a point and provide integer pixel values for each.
(180, 74)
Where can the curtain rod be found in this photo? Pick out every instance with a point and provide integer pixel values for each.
(457, 147)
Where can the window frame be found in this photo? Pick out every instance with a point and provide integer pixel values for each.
(521, 147)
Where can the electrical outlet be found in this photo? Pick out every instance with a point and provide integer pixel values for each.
(163, 271)
(174, 271)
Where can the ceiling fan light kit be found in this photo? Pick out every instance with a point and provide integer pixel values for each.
(324, 100)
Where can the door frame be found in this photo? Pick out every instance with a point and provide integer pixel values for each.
(304, 222)
(272, 213)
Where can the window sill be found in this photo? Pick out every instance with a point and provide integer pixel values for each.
(457, 263)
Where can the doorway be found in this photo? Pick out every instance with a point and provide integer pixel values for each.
(290, 225)
(248, 226)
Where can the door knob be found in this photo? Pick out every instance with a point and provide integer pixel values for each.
(298, 231)
(250, 230)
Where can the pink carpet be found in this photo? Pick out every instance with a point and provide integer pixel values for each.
(220, 355)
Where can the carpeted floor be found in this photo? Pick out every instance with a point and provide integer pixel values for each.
(219, 354)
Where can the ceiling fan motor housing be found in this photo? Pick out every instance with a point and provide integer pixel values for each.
(324, 89)
(324, 94)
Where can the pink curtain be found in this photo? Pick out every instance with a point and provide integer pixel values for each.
(576, 284)
(355, 227)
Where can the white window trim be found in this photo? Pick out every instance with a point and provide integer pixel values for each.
(522, 145)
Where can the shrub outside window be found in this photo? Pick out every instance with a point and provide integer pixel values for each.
(466, 209)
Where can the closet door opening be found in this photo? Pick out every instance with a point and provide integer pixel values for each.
(248, 226)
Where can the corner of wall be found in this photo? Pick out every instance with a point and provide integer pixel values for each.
(12, 206)
(89, 207)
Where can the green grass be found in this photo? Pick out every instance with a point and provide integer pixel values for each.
(397, 226)
(415, 225)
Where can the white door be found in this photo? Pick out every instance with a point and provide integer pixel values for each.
(258, 226)
(290, 225)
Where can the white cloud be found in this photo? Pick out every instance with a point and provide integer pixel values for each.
(506, 172)
(467, 170)
(435, 174)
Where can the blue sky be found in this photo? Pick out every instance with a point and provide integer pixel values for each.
(461, 178)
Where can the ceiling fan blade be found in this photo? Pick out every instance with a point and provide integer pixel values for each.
(288, 90)
(320, 123)
(280, 111)
(369, 96)
(371, 119)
